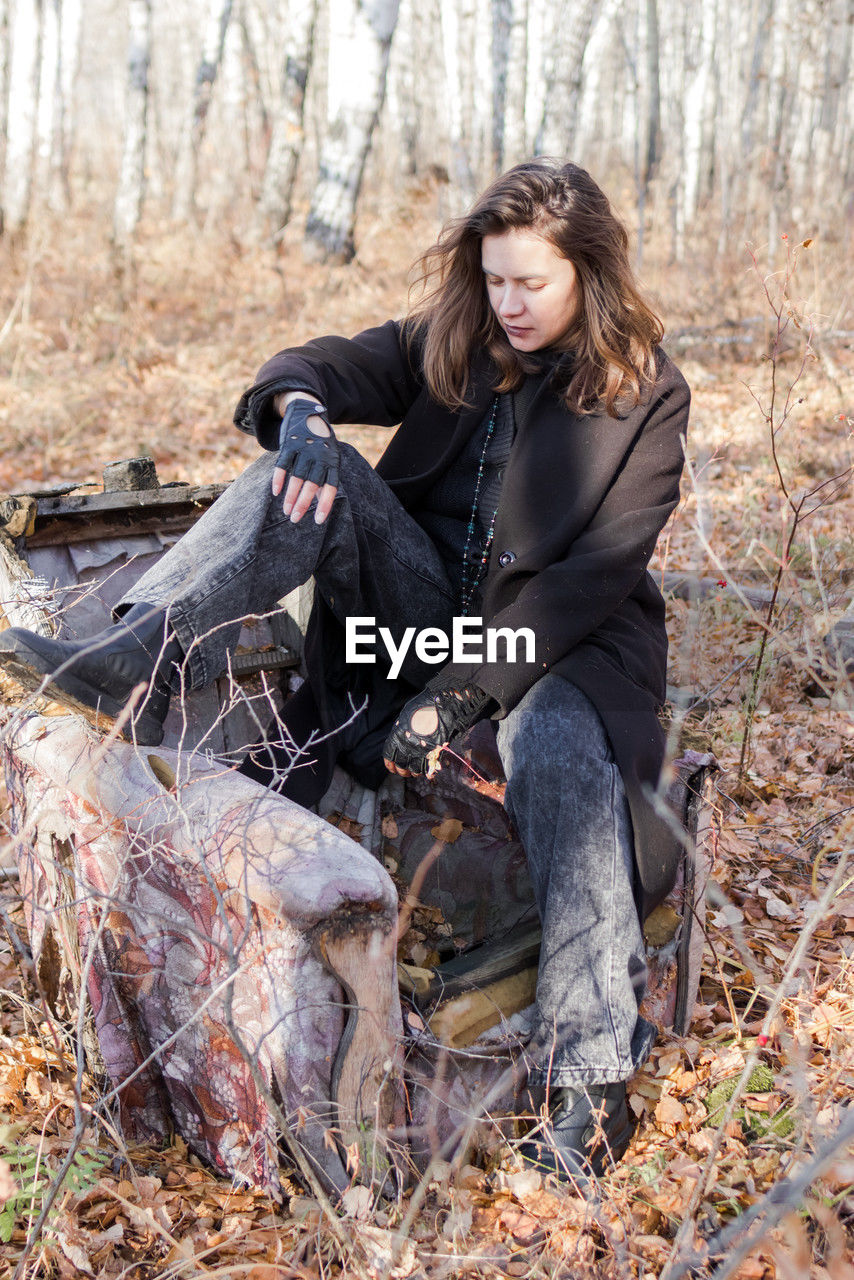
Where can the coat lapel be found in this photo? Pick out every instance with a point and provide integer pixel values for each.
(430, 438)
(559, 470)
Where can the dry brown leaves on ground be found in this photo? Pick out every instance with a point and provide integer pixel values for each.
(89, 376)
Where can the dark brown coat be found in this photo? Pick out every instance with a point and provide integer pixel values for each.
(582, 503)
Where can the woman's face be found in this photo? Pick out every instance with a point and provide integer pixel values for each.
(531, 288)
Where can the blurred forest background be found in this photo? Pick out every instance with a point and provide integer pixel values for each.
(729, 119)
(186, 187)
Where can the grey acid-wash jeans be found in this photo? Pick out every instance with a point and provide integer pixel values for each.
(565, 794)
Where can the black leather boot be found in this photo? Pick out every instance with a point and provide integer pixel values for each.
(96, 676)
(588, 1131)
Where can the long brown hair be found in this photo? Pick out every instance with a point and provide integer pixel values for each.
(615, 332)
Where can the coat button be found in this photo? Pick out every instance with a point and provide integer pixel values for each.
(506, 557)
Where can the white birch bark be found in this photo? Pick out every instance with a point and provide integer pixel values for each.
(502, 21)
(649, 119)
(751, 131)
(832, 164)
(477, 53)
(207, 69)
(602, 57)
(286, 141)
(631, 35)
(22, 122)
(131, 187)
(67, 67)
(51, 168)
(48, 67)
(5, 55)
(358, 65)
(535, 89)
(733, 65)
(838, 105)
(466, 27)
(802, 173)
(413, 128)
(460, 167)
(515, 124)
(699, 115)
(562, 75)
(779, 95)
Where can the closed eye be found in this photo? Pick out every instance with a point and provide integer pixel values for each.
(533, 285)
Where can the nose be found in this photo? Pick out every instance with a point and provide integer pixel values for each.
(512, 303)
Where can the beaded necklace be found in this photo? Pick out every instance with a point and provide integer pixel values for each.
(472, 574)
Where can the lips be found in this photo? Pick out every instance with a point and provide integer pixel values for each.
(513, 332)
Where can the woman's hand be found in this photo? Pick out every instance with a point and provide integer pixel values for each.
(309, 451)
(429, 721)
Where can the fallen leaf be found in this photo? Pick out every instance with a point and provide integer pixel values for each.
(448, 830)
(777, 909)
(71, 1243)
(357, 1202)
(523, 1227)
(382, 1248)
(670, 1111)
(523, 1183)
(457, 1224)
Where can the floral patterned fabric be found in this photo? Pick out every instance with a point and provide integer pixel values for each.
(190, 915)
(191, 904)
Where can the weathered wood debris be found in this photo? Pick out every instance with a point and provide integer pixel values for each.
(236, 955)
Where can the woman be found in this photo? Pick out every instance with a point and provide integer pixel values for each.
(537, 459)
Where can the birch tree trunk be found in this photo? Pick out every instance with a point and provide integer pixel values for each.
(509, 81)
(802, 167)
(358, 65)
(288, 133)
(23, 113)
(515, 103)
(699, 113)
(5, 58)
(415, 86)
(213, 42)
(603, 61)
(563, 79)
(778, 96)
(461, 173)
(747, 162)
(67, 67)
(131, 188)
(649, 122)
(838, 102)
(60, 32)
(502, 22)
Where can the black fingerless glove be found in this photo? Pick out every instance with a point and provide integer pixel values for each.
(458, 706)
(301, 452)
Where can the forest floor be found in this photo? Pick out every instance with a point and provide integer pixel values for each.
(94, 368)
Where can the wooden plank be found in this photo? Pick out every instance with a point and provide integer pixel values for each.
(458, 1023)
(86, 527)
(359, 951)
(487, 964)
(74, 504)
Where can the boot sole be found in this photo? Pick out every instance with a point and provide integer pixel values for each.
(33, 674)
